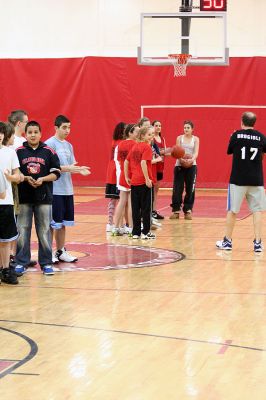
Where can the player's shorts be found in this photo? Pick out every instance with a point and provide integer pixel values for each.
(63, 211)
(255, 196)
(111, 191)
(118, 174)
(159, 176)
(123, 188)
(8, 228)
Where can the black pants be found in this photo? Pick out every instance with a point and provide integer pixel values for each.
(141, 209)
(184, 178)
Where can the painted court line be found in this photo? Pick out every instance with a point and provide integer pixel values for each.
(224, 348)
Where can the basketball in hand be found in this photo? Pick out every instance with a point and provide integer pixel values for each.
(177, 151)
(186, 161)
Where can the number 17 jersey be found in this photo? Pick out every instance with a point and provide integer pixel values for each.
(247, 147)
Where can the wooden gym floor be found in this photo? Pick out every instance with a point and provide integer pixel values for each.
(136, 321)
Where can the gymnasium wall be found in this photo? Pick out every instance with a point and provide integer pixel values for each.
(78, 58)
(98, 92)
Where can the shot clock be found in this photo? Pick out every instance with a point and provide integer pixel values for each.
(213, 5)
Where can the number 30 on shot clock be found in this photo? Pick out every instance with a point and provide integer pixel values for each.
(213, 5)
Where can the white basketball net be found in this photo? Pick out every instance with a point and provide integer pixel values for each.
(179, 62)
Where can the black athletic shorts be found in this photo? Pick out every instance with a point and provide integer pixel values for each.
(8, 228)
(111, 191)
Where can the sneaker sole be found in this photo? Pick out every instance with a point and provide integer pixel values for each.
(21, 272)
(223, 248)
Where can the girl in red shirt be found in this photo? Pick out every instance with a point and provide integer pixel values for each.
(111, 190)
(123, 149)
(138, 162)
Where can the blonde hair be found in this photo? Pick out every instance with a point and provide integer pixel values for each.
(142, 132)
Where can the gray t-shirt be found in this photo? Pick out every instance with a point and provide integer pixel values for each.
(63, 186)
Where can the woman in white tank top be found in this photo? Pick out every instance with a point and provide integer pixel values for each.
(185, 173)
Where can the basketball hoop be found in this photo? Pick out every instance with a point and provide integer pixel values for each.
(179, 62)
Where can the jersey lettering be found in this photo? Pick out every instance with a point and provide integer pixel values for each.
(253, 150)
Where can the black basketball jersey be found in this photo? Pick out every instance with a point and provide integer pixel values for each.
(247, 147)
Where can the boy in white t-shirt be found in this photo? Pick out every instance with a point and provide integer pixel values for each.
(9, 166)
(3, 185)
(18, 118)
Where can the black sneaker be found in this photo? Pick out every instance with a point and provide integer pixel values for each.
(8, 275)
(31, 264)
(156, 215)
(257, 246)
(225, 244)
(13, 266)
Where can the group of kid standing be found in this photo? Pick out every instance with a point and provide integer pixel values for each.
(35, 182)
(135, 171)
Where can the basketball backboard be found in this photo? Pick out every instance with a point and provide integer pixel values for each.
(201, 34)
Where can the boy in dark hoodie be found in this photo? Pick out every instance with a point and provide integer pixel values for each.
(40, 166)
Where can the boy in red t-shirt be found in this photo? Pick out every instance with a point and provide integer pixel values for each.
(139, 162)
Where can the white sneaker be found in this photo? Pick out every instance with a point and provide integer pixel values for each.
(149, 235)
(55, 259)
(155, 222)
(121, 230)
(64, 256)
(117, 232)
(109, 227)
(127, 230)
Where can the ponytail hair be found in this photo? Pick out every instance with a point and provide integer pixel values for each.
(129, 129)
(142, 120)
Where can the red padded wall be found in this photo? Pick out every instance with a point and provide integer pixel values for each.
(96, 93)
